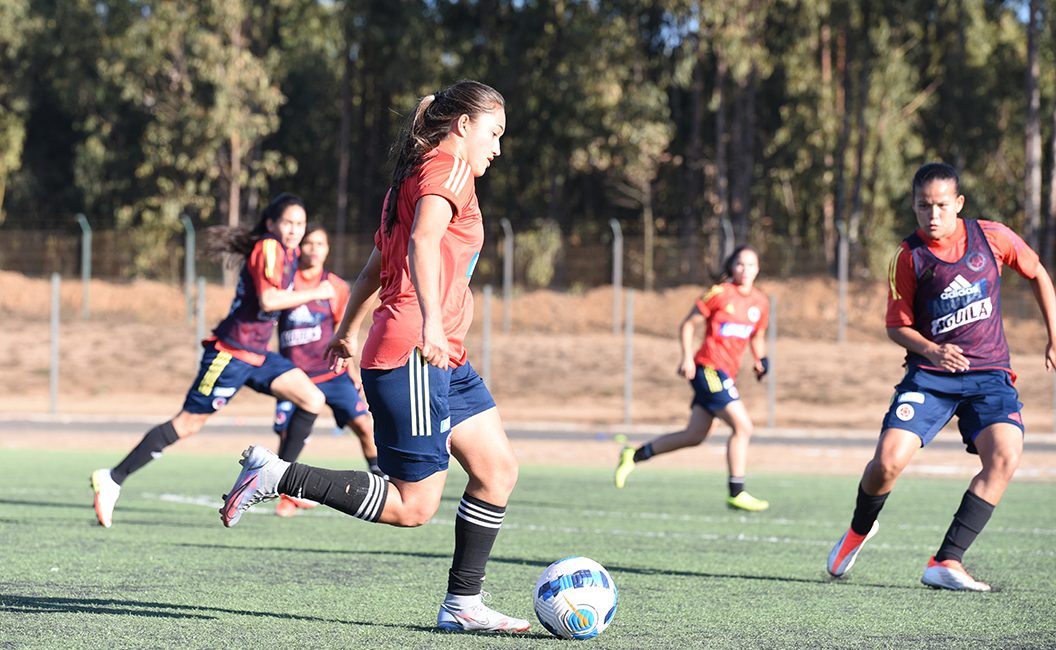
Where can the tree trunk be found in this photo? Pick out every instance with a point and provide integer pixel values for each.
(1032, 166)
(689, 229)
(648, 236)
(1049, 254)
(842, 90)
(862, 134)
(234, 192)
(722, 180)
(343, 156)
(828, 201)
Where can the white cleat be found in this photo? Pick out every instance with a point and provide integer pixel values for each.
(477, 617)
(843, 555)
(951, 574)
(258, 481)
(106, 493)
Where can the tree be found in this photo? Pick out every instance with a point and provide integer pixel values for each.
(16, 28)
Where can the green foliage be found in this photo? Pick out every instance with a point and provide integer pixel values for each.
(612, 112)
(536, 251)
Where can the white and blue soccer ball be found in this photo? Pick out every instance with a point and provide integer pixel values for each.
(575, 598)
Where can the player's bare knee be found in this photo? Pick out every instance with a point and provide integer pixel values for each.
(1004, 462)
(313, 403)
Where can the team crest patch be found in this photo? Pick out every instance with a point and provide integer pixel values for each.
(905, 412)
(219, 403)
(976, 261)
(754, 314)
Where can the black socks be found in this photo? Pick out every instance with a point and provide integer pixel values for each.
(866, 510)
(148, 449)
(360, 494)
(968, 522)
(476, 527)
(296, 435)
(645, 452)
(736, 485)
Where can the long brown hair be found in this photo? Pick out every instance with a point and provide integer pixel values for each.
(239, 240)
(428, 125)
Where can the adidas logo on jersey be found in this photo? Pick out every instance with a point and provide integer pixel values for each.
(959, 288)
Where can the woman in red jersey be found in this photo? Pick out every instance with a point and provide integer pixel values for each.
(735, 315)
(237, 353)
(428, 402)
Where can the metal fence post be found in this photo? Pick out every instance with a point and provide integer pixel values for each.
(53, 372)
(617, 273)
(200, 330)
(628, 359)
(86, 262)
(189, 247)
(771, 351)
(507, 275)
(843, 250)
(486, 345)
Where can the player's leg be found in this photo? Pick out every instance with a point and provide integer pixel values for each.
(991, 426)
(736, 416)
(289, 383)
(219, 378)
(894, 450)
(695, 432)
(480, 445)
(412, 408)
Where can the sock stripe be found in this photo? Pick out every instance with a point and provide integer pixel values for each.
(370, 509)
(475, 514)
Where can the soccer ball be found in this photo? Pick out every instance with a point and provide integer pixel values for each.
(575, 598)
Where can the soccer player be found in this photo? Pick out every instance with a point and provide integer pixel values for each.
(237, 352)
(304, 333)
(735, 315)
(428, 402)
(944, 308)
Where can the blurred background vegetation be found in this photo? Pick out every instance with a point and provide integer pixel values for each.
(697, 124)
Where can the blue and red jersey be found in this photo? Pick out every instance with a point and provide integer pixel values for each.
(305, 330)
(246, 331)
(950, 292)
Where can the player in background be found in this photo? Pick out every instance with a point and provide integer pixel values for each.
(734, 314)
(237, 352)
(428, 402)
(304, 333)
(944, 308)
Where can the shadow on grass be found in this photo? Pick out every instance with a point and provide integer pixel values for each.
(613, 569)
(51, 605)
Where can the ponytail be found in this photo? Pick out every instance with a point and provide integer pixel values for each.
(239, 241)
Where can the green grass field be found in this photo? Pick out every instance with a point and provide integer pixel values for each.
(691, 574)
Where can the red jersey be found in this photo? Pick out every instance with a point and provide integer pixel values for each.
(247, 329)
(397, 327)
(733, 318)
(1008, 249)
(305, 330)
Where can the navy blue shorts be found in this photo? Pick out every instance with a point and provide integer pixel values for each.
(924, 401)
(342, 397)
(713, 390)
(415, 407)
(220, 375)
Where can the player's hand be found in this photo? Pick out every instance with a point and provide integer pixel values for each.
(326, 291)
(434, 344)
(687, 369)
(340, 352)
(1050, 356)
(948, 357)
(762, 366)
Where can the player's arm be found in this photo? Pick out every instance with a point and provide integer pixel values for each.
(266, 265)
(432, 216)
(275, 299)
(948, 356)
(758, 346)
(686, 331)
(345, 343)
(1041, 285)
